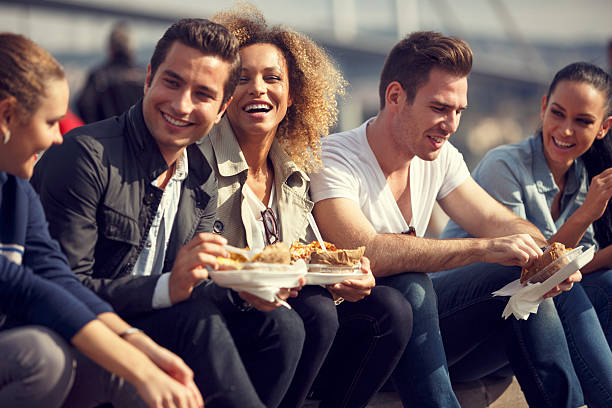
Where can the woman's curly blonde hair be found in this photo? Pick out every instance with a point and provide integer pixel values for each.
(314, 82)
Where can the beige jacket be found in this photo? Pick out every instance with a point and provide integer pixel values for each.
(222, 151)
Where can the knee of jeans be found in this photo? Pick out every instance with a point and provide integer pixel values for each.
(418, 290)
(397, 309)
(288, 326)
(324, 323)
(50, 359)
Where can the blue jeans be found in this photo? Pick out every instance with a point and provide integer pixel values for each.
(239, 358)
(372, 335)
(598, 287)
(456, 307)
(588, 346)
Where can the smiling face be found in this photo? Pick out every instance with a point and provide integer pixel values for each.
(30, 138)
(184, 99)
(572, 119)
(420, 128)
(262, 96)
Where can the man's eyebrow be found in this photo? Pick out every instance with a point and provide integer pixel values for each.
(173, 74)
(447, 106)
(203, 88)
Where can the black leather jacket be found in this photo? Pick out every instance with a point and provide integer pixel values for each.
(98, 198)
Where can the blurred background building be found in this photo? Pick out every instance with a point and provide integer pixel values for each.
(517, 44)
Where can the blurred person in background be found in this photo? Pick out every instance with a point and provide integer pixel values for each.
(43, 306)
(132, 202)
(116, 85)
(561, 180)
(284, 103)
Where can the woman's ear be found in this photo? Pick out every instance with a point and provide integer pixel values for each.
(605, 127)
(6, 114)
(543, 107)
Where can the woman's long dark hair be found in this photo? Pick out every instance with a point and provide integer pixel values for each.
(599, 156)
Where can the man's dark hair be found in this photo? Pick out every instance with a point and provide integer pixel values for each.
(412, 59)
(207, 37)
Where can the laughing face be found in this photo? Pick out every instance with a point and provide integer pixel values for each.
(572, 119)
(262, 96)
(422, 127)
(184, 98)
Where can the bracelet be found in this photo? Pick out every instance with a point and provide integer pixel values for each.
(129, 331)
(338, 301)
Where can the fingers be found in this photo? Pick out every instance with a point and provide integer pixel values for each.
(259, 303)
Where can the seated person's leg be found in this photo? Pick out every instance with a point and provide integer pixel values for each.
(372, 336)
(197, 331)
(598, 287)
(588, 346)
(536, 348)
(94, 386)
(270, 345)
(316, 307)
(421, 376)
(36, 368)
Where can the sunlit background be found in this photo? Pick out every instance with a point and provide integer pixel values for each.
(518, 45)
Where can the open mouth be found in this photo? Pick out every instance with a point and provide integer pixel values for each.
(174, 121)
(257, 108)
(561, 144)
(437, 139)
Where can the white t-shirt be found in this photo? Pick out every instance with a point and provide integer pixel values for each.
(350, 170)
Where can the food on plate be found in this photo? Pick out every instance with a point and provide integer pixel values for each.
(303, 251)
(277, 253)
(540, 270)
(339, 257)
(234, 261)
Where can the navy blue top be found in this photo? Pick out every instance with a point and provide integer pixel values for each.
(37, 286)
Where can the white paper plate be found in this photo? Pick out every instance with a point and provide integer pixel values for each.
(578, 260)
(328, 274)
(260, 275)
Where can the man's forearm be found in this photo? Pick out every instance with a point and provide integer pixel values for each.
(390, 254)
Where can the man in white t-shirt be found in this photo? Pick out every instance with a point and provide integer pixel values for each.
(378, 188)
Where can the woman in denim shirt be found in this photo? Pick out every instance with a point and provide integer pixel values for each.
(561, 180)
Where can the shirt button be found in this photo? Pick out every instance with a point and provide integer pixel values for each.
(148, 245)
(218, 227)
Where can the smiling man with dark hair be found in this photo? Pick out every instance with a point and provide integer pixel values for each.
(132, 202)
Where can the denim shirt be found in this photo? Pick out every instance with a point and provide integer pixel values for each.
(518, 176)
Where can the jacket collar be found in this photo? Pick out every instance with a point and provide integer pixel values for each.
(144, 146)
(543, 176)
(231, 160)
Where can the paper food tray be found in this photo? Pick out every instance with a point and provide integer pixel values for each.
(329, 274)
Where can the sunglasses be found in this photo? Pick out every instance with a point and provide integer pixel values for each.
(270, 226)
(411, 231)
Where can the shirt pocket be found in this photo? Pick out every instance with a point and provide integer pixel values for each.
(119, 227)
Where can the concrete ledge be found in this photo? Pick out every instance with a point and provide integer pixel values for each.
(491, 392)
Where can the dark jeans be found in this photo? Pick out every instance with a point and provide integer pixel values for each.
(240, 359)
(316, 307)
(456, 306)
(370, 340)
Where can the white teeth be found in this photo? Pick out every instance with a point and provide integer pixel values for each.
(257, 106)
(175, 122)
(561, 144)
(437, 139)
